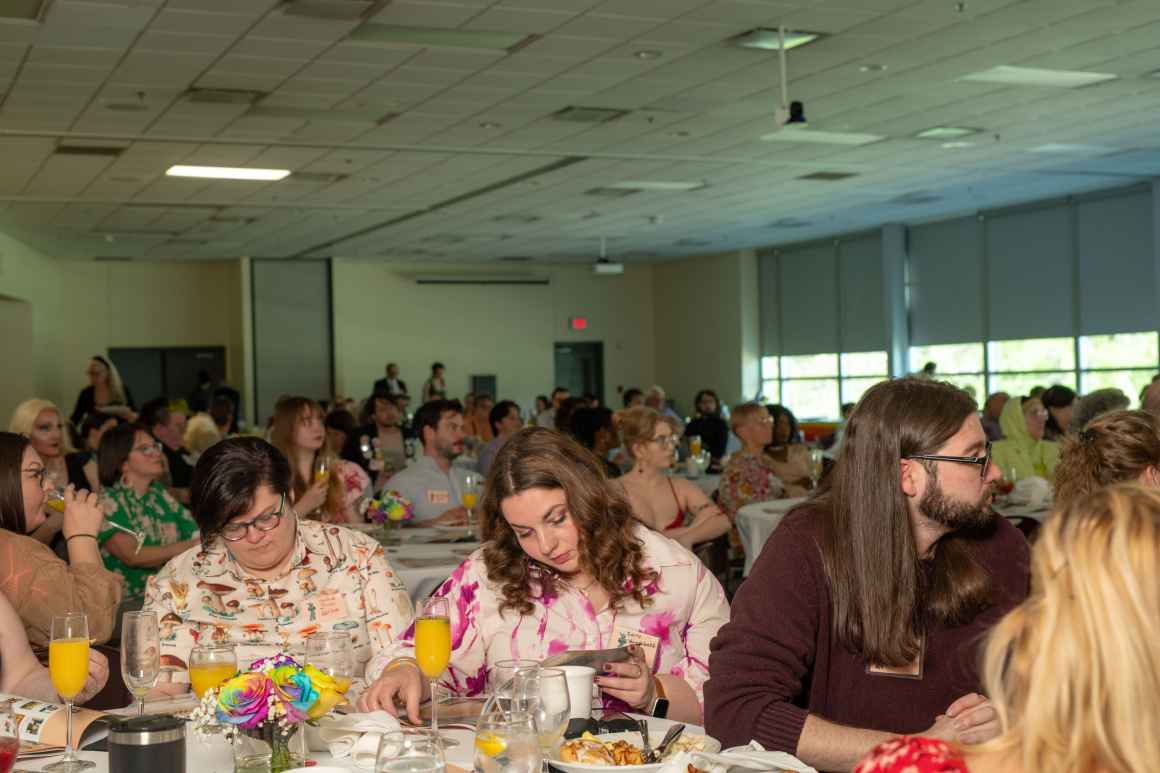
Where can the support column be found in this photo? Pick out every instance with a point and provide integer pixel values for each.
(894, 287)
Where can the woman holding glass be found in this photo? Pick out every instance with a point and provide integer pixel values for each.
(669, 504)
(565, 566)
(38, 583)
(323, 487)
(40, 421)
(263, 580)
(131, 466)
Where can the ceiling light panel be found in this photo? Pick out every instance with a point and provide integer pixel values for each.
(819, 137)
(227, 173)
(946, 132)
(1033, 76)
(766, 39)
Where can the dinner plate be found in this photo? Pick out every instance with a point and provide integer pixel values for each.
(655, 736)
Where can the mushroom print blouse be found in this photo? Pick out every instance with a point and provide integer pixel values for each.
(688, 607)
(338, 580)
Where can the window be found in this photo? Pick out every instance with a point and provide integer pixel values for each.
(860, 371)
(770, 381)
(1125, 361)
(950, 358)
(811, 398)
(814, 386)
(1031, 355)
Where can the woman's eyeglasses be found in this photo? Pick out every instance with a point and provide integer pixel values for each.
(149, 449)
(983, 461)
(236, 530)
(666, 440)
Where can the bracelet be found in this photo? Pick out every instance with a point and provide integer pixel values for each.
(398, 662)
(90, 536)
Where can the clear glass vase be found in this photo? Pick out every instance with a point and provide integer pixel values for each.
(269, 749)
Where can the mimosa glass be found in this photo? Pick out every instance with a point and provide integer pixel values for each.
(140, 654)
(210, 665)
(68, 666)
(433, 647)
(472, 488)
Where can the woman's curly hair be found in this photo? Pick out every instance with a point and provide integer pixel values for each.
(540, 458)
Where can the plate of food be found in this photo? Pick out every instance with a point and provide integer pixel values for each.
(622, 751)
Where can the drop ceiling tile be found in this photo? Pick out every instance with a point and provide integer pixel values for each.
(604, 27)
(19, 32)
(201, 23)
(277, 25)
(426, 14)
(40, 72)
(213, 45)
(568, 47)
(519, 20)
(97, 58)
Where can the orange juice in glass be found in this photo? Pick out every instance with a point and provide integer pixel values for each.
(210, 665)
(695, 445)
(433, 646)
(68, 667)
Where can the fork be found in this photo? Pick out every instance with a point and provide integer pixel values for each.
(670, 737)
(647, 751)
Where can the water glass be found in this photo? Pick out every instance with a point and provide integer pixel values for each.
(140, 654)
(544, 695)
(501, 679)
(507, 744)
(415, 751)
(332, 653)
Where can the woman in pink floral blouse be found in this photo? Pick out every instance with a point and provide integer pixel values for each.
(565, 566)
(298, 431)
(749, 476)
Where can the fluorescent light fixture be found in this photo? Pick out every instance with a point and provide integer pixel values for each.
(435, 37)
(606, 267)
(767, 39)
(957, 145)
(1034, 76)
(946, 132)
(1065, 147)
(659, 185)
(816, 136)
(227, 172)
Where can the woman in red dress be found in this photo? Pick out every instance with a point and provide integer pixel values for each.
(1073, 672)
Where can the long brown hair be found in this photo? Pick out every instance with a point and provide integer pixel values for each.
(882, 603)
(540, 458)
(12, 448)
(287, 412)
(1112, 448)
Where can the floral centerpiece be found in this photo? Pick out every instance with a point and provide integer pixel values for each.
(265, 707)
(390, 508)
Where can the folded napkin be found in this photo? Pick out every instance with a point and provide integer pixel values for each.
(750, 757)
(356, 735)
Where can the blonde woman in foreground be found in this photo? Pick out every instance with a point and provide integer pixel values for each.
(1073, 672)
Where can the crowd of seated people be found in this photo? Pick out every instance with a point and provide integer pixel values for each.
(892, 622)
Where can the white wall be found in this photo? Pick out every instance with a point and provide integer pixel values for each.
(381, 315)
(707, 327)
(83, 308)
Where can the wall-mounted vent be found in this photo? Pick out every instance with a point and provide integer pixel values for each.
(29, 10)
(112, 258)
(222, 96)
(693, 243)
(589, 114)
(828, 176)
(515, 259)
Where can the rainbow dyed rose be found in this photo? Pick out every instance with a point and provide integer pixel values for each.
(391, 506)
(295, 691)
(244, 700)
(326, 688)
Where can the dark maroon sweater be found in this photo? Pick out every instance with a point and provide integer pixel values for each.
(777, 659)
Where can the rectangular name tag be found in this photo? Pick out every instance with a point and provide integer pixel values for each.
(438, 497)
(650, 644)
(909, 671)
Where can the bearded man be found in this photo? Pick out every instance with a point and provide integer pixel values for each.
(861, 618)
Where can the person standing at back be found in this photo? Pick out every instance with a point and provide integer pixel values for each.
(435, 388)
(862, 616)
(391, 384)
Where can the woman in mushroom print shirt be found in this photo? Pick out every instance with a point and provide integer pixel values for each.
(265, 580)
(565, 566)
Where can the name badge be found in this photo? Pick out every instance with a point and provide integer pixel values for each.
(438, 497)
(650, 644)
(912, 670)
(331, 606)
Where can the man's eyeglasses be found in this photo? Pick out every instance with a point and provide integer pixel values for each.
(236, 530)
(983, 461)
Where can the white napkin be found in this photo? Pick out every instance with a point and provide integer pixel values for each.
(1034, 492)
(356, 735)
(750, 757)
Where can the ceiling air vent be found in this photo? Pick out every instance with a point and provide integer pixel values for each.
(106, 151)
(611, 193)
(917, 197)
(828, 177)
(316, 178)
(341, 10)
(222, 96)
(789, 222)
(518, 219)
(589, 114)
(112, 258)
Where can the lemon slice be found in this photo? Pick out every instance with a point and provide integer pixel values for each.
(490, 744)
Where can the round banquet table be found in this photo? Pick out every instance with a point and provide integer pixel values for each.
(424, 557)
(757, 521)
(214, 755)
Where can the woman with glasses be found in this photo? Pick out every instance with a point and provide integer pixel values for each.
(263, 579)
(131, 465)
(38, 583)
(750, 475)
(41, 422)
(671, 505)
(1023, 451)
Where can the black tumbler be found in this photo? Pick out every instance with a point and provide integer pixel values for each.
(147, 744)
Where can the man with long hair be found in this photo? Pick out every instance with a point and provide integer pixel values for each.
(861, 618)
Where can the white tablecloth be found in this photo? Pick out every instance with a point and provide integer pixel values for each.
(421, 564)
(216, 756)
(707, 483)
(757, 521)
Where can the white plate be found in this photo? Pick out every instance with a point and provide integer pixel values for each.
(655, 736)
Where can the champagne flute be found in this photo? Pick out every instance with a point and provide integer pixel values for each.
(322, 468)
(472, 485)
(210, 665)
(68, 667)
(9, 738)
(140, 654)
(816, 465)
(544, 695)
(694, 445)
(332, 653)
(54, 500)
(433, 646)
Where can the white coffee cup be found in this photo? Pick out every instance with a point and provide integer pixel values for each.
(580, 680)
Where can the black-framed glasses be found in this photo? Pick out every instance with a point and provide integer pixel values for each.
(236, 531)
(983, 461)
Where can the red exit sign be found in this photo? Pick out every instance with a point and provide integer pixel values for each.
(578, 323)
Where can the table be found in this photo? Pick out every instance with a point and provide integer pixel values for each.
(423, 558)
(1036, 512)
(707, 483)
(757, 521)
(216, 756)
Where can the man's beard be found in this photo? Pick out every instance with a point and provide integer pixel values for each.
(951, 513)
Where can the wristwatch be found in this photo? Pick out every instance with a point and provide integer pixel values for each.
(660, 704)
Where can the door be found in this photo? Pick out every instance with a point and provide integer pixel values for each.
(580, 368)
(169, 371)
